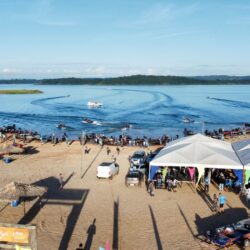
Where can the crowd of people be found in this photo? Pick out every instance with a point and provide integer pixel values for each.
(121, 140)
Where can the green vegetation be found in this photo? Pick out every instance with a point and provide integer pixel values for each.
(146, 80)
(19, 91)
(19, 81)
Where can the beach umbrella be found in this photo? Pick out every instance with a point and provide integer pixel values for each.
(14, 191)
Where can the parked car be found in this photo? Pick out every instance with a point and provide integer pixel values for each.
(107, 170)
(141, 168)
(138, 158)
(134, 178)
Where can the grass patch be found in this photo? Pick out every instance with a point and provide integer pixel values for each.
(19, 91)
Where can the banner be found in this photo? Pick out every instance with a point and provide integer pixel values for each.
(14, 235)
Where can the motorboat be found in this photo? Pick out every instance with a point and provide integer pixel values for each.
(187, 120)
(127, 126)
(61, 126)
(87, 120)
(95, 104)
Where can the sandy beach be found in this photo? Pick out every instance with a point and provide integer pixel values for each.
(91, 211)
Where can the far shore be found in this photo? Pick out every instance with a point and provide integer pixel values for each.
(19, 91)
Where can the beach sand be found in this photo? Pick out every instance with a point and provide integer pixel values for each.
(91, 211)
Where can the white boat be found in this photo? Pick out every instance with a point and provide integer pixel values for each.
(187, 120)
(95, 104)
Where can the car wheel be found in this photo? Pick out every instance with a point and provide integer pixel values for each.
(111, 177)
(246, 242)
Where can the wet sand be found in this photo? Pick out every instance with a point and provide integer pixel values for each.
(90, 211)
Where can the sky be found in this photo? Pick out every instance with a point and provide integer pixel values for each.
(108, 38)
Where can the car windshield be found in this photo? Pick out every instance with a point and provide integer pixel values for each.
(137, 156)
(105, 164)
(133, 175)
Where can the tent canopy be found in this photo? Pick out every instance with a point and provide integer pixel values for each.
(198, 151)
(14, 191)
(242, 148)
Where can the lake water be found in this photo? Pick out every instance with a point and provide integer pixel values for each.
(151, 110)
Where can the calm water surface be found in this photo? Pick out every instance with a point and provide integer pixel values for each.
(151, 110)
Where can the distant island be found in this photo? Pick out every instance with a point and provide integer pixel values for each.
(19, 91)
(138, 80)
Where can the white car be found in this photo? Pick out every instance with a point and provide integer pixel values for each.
(107, 170)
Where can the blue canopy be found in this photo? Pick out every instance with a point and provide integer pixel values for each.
(239, 174)
(153, 170)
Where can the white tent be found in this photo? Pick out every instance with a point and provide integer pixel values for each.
(198, 151)
(242, 149)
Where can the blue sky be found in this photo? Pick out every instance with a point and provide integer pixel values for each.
(62, 38)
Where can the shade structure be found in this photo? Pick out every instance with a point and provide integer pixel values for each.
(242, 148)
(14, 191)
(198, 151)
(10, 149)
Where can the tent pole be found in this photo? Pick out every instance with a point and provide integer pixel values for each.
(24, 210)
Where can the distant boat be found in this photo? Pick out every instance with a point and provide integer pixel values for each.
(187, 120)
(187, 132)
(127, 126)
(95, 104)
(87, 120)
(61, 126)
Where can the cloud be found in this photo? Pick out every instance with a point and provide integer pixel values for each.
(11, 71)
(58, 23)
(159, 15)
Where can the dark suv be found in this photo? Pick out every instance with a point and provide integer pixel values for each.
(138, 158)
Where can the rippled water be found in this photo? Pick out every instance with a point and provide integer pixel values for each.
(151, 110)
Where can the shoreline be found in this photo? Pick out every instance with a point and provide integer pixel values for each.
(20, 91)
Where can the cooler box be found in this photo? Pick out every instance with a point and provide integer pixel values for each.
(14, 203)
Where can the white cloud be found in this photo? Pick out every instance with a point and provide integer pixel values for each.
(11, 70)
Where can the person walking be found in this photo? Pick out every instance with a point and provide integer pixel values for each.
(118, 150)
(151, 188)
(222, 201)
(108, 150)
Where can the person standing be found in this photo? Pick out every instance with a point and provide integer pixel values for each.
(222, 201)
(174, 184)
(215, 202)
(248, 195)
(207, 182)
(61, 180)
(118, 150)
(14, 139)
(108, 150)
(151, 188)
